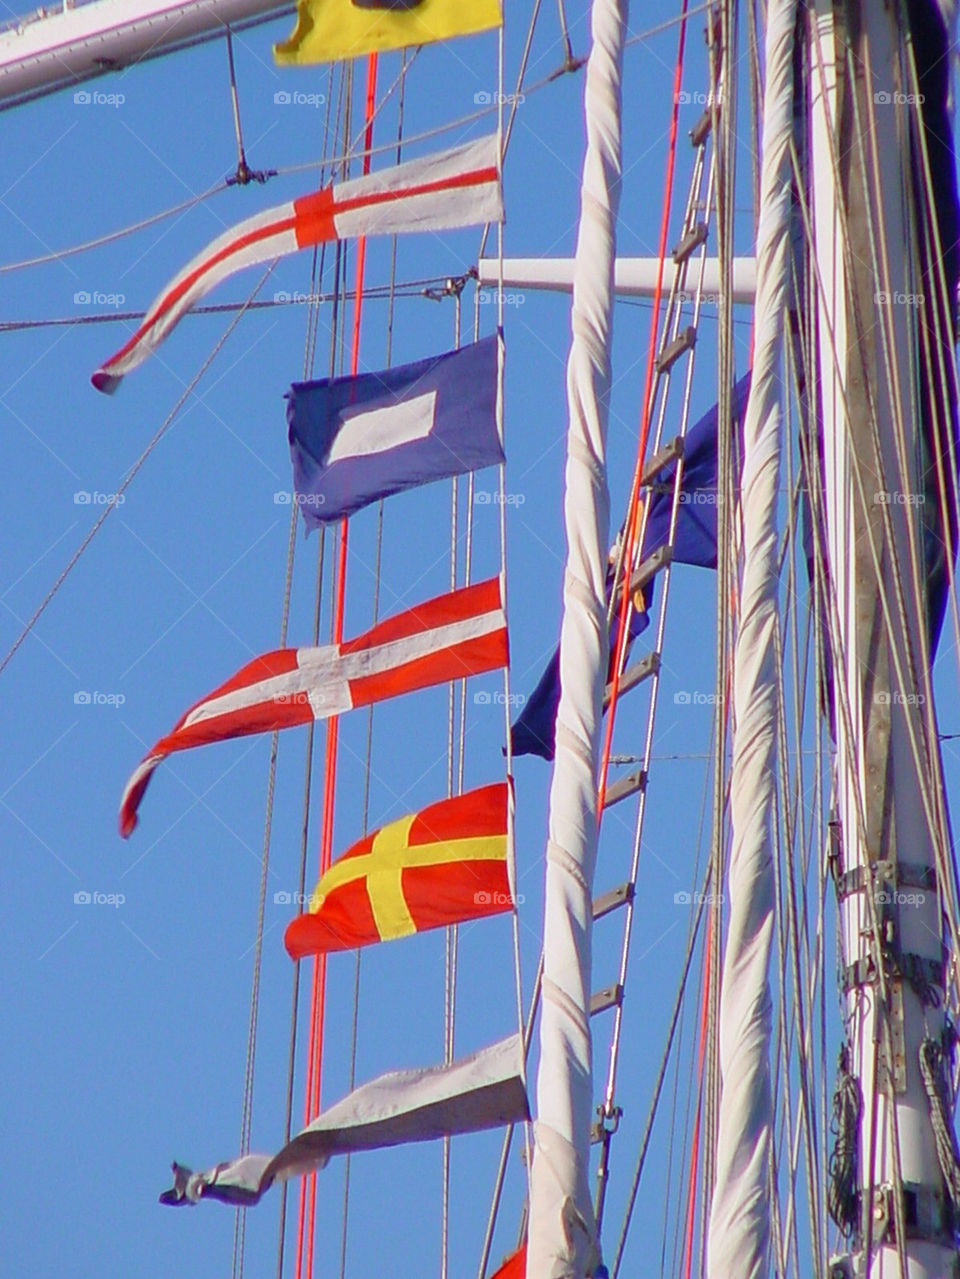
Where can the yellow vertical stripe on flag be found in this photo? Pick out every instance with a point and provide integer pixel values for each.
(328, 30)
(385, 884)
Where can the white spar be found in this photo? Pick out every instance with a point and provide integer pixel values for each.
(633, 277)
(51, 49)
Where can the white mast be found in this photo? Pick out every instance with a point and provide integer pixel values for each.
(868, 359)
(562, 1234)
(738, 1242)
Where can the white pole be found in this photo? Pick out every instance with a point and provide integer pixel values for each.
(632, 277)
(562, 1235)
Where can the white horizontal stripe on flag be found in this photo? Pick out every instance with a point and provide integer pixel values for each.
(367, 431)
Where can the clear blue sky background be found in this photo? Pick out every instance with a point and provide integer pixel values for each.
(124, 1027)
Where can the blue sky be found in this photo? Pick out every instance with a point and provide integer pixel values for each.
(125, 1022)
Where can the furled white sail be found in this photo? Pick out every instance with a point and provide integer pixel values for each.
(562, 1234)
(739, 1232)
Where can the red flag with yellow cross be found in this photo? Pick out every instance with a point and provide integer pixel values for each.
(445, 865)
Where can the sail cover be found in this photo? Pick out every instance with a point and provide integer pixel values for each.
(455, 635)
(485, 1090)
(454, 188)
(738, 1237)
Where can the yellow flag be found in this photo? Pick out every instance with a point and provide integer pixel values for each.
(328, 30)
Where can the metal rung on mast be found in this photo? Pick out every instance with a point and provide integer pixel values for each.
(650, 567)
(634, 675)
(701, 130)
(607, 902)
(625, 787)
(691, 241)
(654, 465)
(609, 997)
(685, 340)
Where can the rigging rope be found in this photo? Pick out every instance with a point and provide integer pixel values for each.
(843, 1168)
(934, 1071)
(132, 473)
(57, 255)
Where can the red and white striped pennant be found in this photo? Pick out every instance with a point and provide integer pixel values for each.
(455, 635)
(454, 188)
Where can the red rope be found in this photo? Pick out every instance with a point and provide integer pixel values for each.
(308, 1198)
(634, 507)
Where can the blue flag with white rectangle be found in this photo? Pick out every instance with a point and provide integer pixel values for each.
(354, 440)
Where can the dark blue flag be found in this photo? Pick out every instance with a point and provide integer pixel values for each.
(356, 439)
(694, 542)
